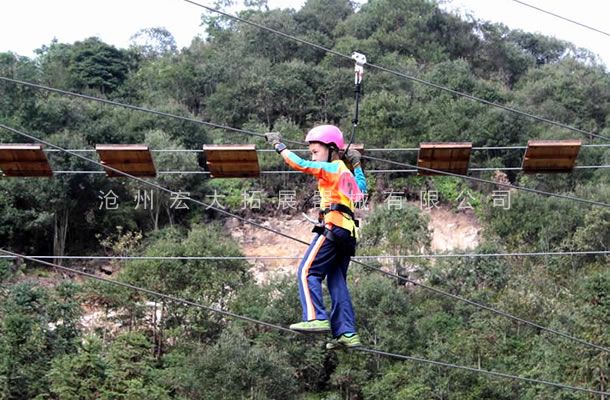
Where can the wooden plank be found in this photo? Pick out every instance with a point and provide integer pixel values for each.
(233, 167)
(21, 155)
(230, 146)
(133, 159)
(554, 143)
(121, 147)
(550, 155)
(132, 166)
(232, 160)
(242, 174)
(136, 169)
(445, 164)
(141, 174)
(230, 152)
(236, 156)
(445, 155)
(553, 152)
(451, 157)
(23, 159)
(120, 155)
(20, 146)
(445, 145)
(20, 165)
(232, 170)
(28, 173)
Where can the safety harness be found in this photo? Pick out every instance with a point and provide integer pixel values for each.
(325, 229)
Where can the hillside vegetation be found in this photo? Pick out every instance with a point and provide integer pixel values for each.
(244, 77)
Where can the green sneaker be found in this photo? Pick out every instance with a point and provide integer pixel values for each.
(344, 342)
(313, 326)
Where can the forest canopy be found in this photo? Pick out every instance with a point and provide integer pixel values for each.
(244, 77)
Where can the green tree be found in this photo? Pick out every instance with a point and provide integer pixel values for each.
(153, 42)
(323, 16)
(90, 64)
(95, 64)
(569, 92)
(234, 368)
(211, 282)
(81, 375)
(131, 372)
(160, 202)
(36, 326)
(396, 231)
(532, 222)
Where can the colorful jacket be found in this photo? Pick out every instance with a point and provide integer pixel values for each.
(336, 184)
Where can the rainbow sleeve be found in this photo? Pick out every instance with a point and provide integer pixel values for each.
(360, 179)
(319, 169)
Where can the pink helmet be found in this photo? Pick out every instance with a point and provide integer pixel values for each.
(327, 134)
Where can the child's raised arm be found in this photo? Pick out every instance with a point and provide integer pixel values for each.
(353, 156)
(318, 169)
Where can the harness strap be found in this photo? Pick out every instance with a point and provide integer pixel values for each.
(339, 207)
(342, 209)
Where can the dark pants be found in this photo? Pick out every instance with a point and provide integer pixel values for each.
(326, 258)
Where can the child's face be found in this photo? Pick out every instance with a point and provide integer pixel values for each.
(318, 151)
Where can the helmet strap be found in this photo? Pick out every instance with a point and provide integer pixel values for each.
(331, 148)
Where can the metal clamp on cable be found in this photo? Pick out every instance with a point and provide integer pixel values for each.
(360, 60)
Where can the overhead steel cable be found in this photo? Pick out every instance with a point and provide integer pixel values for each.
(485, 307)
(246, 220)
(287, 171)
(136, 108)
(381, 149)
(447, 365)
(481, 180)
(285, 140)
(560, 17)
(154, 185)
(229, 314)
(371, 257)
(147, 291)
(401, 74)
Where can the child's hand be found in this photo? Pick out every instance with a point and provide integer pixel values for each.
(273, 138)
(353, 156)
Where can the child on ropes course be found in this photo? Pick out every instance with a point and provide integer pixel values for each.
(329, 253)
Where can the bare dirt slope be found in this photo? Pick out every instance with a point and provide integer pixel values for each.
(451, 231)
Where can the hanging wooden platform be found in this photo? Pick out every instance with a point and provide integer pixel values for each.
(232, 160)
(550, 155)
(24, 160)
(451, 157)
(133, 159)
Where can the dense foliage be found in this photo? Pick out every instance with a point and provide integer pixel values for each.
(244, 77)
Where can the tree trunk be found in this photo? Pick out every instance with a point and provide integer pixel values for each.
(602, 377)
(160, 332)
(169, 216)
(156, 218)
(60, 233)
(154, 327)
(155, 211)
